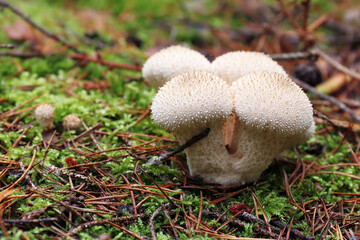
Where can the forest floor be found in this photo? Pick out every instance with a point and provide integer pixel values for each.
(85, 58)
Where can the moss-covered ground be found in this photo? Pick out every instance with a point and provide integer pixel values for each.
(92, 182)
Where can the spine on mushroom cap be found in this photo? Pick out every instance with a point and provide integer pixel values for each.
(192, 99)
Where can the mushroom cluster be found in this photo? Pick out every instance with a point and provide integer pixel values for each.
(45, 113)
(253, 109)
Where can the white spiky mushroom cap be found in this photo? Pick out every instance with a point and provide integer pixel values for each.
(192, 100)
(272, 102)
(233, 65)
(171, 61)
(44, 114)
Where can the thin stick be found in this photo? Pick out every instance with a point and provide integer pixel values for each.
(5, 114)
(291, 56)
(335, 63)
(23, 55)
(170, 220)
(288, 15)
(157, 185)
(131, 193)
(83, 226)
(23, 221)
(92, 136)
(85, 59)
(306, 5)
(51, 35)
(262, 209)
(151, 222)
(200, 210)
(43, 194)
(127, 231)
(10, 46)
(27, 170)
(289, 228)
(193, 140)
(88, 131)
(331, 99)
(242, 224)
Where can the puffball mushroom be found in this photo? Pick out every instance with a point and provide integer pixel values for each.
(71, 122)
(232, 65)
(188, 104)
(44, 114)
(171, 61)
(274, 114)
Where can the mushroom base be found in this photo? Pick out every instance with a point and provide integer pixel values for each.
(210, 160)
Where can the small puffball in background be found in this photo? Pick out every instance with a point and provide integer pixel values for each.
(44, 115)
(233, 65)
(72, 122)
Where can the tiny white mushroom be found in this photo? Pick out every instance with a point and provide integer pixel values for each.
(71, 122)
(188, 104)
(232, 65)
(274, 114)
(171, 61)
(44, 114)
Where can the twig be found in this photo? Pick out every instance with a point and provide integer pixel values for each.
(312, 55)
(228, 221)
(317, 23)
(176, 236)
(292, 56)
(10, 46)
(293, 231)
(289, 227)
(27, 170)
(62, 233)
(84, 58)
(157, 185)
(288, 15)
(59, 202)
(27, 177)
(83, 226)
(51, 35)
(262, 209)
(200, 210)
(334, 63)
(262, 224)
(88, 131)
(306, 5)
(193, 140)
(12, 111)
(21, 54)
(137, 236)
(131, 193)
(23, 221)
(331, 99)
(22, 135)
(92, 136)
(239, 223)
(151, 221)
